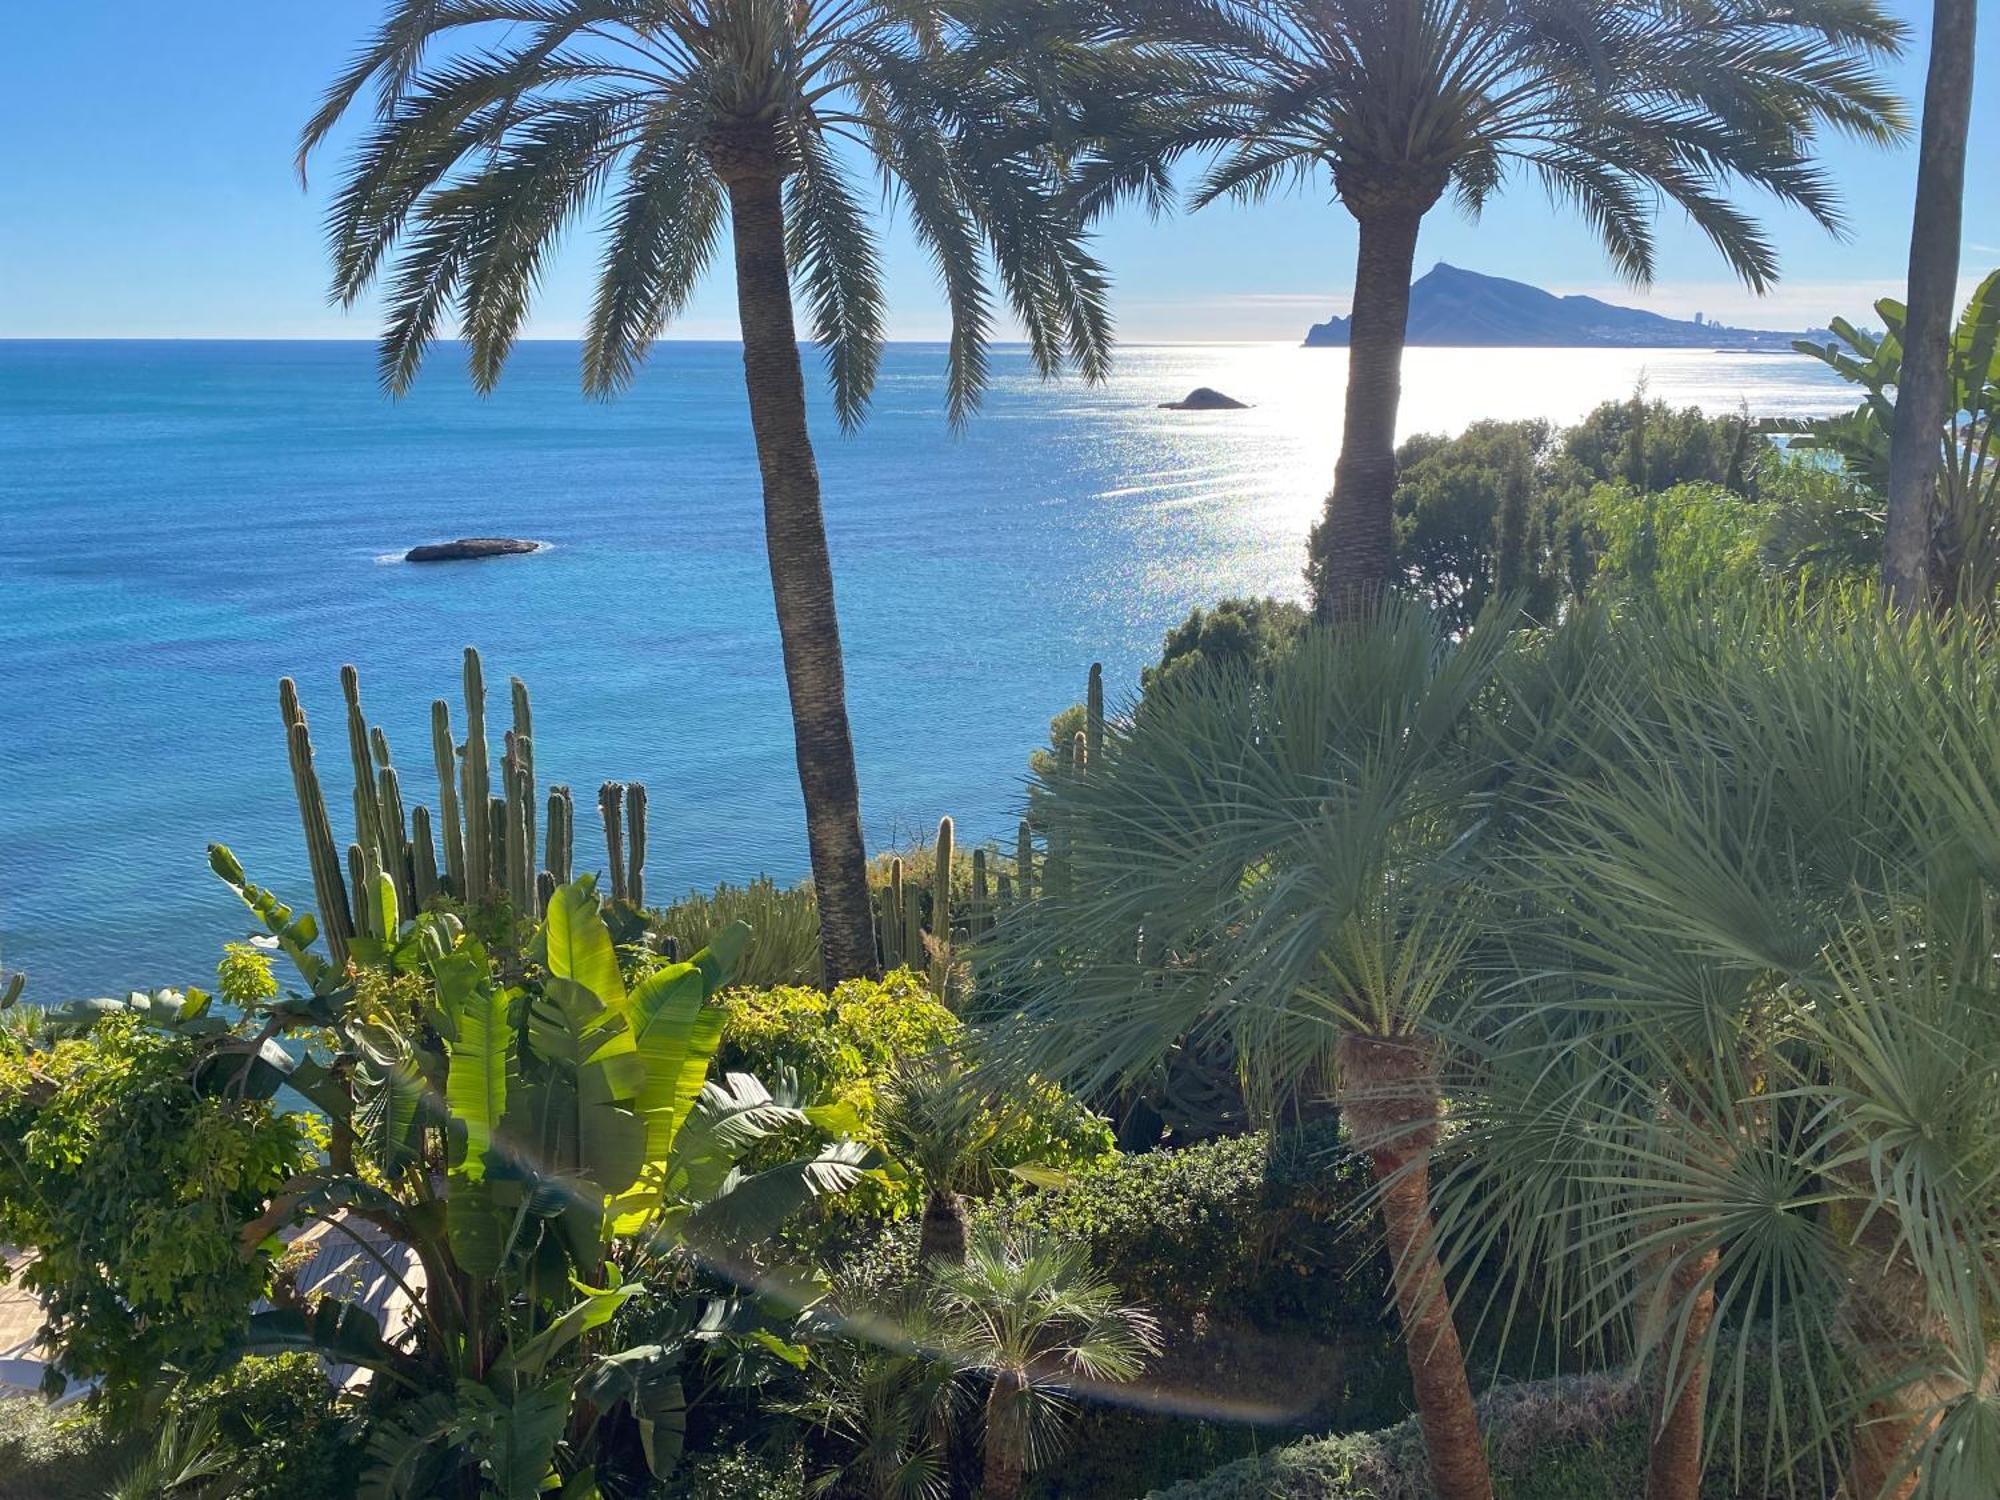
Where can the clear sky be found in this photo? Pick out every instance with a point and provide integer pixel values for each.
(146, 190)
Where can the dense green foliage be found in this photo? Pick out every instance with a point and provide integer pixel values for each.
(784, 918)
(1579, 1439)
(133, 1183)
(1964, 562)
(846, 1047)
(276, 1424)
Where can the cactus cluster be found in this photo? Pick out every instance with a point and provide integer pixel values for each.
(490, 841)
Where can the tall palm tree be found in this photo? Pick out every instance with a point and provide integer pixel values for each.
(1276, 864)
(1611, 104)
(498, 123)
(1922, 397)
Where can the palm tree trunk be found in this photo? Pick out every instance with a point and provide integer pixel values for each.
(1389, 1103)
(801, 573)
(1923, 397)
(1674, 1464)
(1352, 552)
(943, 1234)
(1006, 1438)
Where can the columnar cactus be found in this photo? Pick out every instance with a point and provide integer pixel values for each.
(322, 855)
(445, 755)
(524, 747)
(893, 933)
(367, 817)
(635, 847)
(1024, 861)
(423, 855)
(1093, 713)
(561, 832)
(476, 785)
(611, 806)
(913, 924)
(941, 883)
(976, 918)
(392, 839)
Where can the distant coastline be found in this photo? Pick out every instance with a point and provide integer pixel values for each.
(1455, 308)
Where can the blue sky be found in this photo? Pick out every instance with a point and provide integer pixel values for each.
(147, 191)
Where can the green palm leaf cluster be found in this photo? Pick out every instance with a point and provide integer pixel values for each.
(1732, 1114)
(499, 123)
(1671, 934)
(1964, 563)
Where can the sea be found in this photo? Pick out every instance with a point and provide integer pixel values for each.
(184, 523)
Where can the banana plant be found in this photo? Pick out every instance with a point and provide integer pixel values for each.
(1966, 549)
(550, 1152)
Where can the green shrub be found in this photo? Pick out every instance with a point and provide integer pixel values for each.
(58, 1453)
(1689, 540)
(785, 949)
(844, 1047)
(280, 1419)
(1579, 1437)
(739, 1476)
(131, 1185)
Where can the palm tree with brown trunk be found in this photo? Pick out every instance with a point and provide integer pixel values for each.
(497, 124)
(1923, 394)
(1038, 1325)
(1611, 105)
(1275, 863)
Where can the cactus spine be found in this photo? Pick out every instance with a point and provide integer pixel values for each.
(1093, 713)
(941, 882)
(635, 848)
(445, 755)
(611, 806)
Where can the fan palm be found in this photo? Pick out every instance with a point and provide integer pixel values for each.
(1610, 104)
(1277, 864)
(498, 123)
(1725, 1122)
(1036, 1322)
(934, 1122)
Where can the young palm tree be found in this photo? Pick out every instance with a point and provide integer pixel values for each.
(1036, 1322)
(498, 123)
(935, 1122)
(1610, 104)
(1276, 864)
(1921, 401)
(1728, 1122)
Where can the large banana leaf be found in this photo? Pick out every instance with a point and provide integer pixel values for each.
(480, 1049)
(530, 1359)
(647, 1378)
(520, 1451)
(344, 1332)
(579, 944)
(749, 1209)
(295, 934)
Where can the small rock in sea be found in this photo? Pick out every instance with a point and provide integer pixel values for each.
(1201, 398)
(469, 547)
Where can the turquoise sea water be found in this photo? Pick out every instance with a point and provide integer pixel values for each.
(183, 523)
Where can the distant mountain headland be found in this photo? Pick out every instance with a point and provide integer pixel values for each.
(1450, 306)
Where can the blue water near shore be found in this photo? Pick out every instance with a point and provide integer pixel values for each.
(181, 524)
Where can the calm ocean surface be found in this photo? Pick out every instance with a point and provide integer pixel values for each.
(183, 523)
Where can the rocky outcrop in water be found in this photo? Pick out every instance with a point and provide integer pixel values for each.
(1202, 398)
(469, 548)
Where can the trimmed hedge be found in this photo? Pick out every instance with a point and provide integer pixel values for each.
(1579, 1437)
